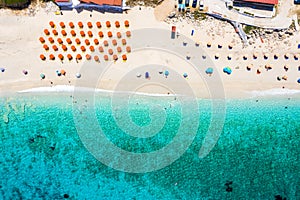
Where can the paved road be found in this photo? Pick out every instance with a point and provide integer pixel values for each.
(280, 21)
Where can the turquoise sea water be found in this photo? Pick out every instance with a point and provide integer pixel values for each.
(256, 157)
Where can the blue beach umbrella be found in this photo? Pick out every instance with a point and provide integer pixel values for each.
(298, 80)
(209, 70)
(2, 69)
(78, 75)
(147, 75)
(185, 75)
(167, 73)
(42, 75)
(227, 70)
(58, 73)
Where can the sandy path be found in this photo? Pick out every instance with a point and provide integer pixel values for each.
(164, 9)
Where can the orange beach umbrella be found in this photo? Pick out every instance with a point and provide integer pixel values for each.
(98, 24)
(51, 57)
(100, 34)
(126, 23)
(82, 48)
(96, 58)
(46, 47)
(108, 25)
(114, 42)
(82, 33)
(64, 47)
(87, 42)
(119, 49)
(101, 50)
(54, 47)
(51, 23)
(115, 57)
(77, 41)
(90, 25)
(124, 57)
(46, 32)
(63, 32)
(117, 23)
(69, 56)
(128, 49)
(63, 72)
(96, 41)
(54, 32)
(62, 25)
(88, 56)
(59, 40)
(80, 24)
(60, 56)
(92, 48)
(73, 48)
(42, 57)
(69, 41)
(105, 57)
(51, 40)
(73, 33)
(128, 33)
(110, 51)
(119, 35)
(105, 43)
(90, 33)
(71, 24)
(78, 57)
(124, 41)
(109, 34)
(42, 40)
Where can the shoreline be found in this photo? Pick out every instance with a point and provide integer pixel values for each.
(277, 93)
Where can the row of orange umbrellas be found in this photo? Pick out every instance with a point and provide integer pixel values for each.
(89, 24)
(89, 33)
(78, 41)
(79, 57)
(60, 56)
(83, 49)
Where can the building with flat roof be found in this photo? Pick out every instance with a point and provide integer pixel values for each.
(256, 8)
(269, 2)
(105, 2)
(115, 6)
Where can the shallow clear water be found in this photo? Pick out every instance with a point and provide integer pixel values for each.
(42, 156)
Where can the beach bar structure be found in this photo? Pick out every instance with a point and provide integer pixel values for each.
(113, 6)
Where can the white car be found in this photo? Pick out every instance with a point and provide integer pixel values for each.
(201, 5)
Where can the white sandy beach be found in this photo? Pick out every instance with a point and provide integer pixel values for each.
(20, 49)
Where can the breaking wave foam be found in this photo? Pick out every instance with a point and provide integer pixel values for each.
(275, 92)
(70, 89)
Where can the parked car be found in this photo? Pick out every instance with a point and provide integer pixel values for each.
(201, 5)
(194, 5)
(187, 3)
